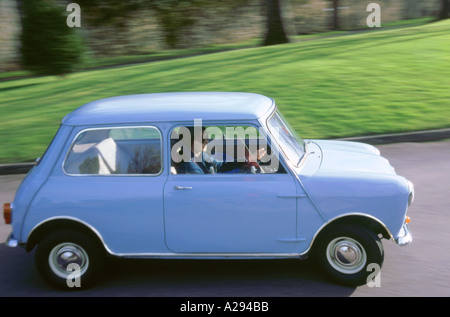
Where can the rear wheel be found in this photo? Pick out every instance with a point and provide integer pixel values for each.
(69, 259)
(344, 252)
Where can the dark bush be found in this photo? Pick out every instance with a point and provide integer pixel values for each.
(49, 46)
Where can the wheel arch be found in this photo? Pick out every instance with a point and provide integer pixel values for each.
(64, 223)
(363, 220)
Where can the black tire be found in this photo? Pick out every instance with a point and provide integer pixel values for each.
(69, 259)
(344, 252)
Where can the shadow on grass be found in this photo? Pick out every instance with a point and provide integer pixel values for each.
(17, 87)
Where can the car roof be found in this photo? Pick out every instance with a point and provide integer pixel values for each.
(179, 106)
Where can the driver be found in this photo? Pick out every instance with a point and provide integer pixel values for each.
(201, 162)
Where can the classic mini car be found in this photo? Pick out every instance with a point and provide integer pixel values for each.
(204, 175)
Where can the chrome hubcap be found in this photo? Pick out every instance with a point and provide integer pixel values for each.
(63, 255)
(346, 255)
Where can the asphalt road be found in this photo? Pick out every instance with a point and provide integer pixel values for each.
(419, 269)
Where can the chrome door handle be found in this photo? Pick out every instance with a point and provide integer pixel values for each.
(178, 187)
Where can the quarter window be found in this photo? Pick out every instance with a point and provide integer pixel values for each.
(117, 151)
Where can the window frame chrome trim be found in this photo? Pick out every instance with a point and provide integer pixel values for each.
(281, 159)
(113, 175)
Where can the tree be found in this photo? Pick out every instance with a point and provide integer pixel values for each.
(275, 32)
(49, 46)
(335, 15)
(175, 16)
(445, 7)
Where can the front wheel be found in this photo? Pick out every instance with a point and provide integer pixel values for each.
(69, 259)
(344, 252)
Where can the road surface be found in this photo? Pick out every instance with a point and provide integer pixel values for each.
(419, 269)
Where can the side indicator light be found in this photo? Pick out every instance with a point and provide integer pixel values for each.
(407, 219)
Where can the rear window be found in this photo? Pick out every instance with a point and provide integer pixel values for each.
(116, 151)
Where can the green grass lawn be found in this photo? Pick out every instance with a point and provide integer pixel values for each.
(365, 83)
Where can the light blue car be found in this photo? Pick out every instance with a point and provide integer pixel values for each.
(204, 175)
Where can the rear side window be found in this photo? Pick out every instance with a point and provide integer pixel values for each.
(115, 151)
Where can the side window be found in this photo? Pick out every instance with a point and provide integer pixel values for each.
(222, 150)
(120, 151)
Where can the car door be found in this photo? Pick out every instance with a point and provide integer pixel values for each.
(230, 212)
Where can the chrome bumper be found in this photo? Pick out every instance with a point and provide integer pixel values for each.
(404, 236)
(11, 242)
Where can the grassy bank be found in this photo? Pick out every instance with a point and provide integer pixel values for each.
(358, 84)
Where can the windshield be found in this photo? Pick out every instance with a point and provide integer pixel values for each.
(291, 144)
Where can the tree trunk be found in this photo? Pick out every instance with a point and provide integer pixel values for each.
(275, 32)
(335, 15)
(443, 14)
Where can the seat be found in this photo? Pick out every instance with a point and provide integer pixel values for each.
(112, 159)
